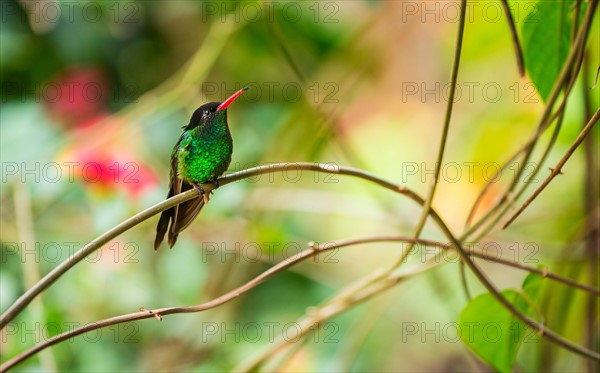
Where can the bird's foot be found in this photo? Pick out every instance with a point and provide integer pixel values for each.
(205, 190)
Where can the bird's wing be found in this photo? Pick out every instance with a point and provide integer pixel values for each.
(180, 216)
(163, 223)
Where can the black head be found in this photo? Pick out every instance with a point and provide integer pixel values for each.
(211, 111)
(203, 114)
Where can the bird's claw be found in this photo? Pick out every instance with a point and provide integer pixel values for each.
(203, 192)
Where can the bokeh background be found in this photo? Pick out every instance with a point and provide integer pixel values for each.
(94, 94)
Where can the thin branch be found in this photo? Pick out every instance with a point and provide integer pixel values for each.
(350, 297)
(445, 129)
(94, 245)
(378, 281)
(558, 168)
(489, 184)
(547, 117)
(463, 280)
(540, 328)
(592, 211)
(535, 172)
(559, 114)
(287, 54)
(475, 253)
(314, 250)
(159, 313)
(515, 38)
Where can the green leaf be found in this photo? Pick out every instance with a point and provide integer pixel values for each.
(546, 33)
(532, 284)
(491, 331)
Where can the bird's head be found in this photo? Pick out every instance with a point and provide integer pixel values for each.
(212, 111)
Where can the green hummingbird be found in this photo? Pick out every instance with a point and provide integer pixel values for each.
(201, 155)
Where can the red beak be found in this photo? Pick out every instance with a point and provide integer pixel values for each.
(228, 102)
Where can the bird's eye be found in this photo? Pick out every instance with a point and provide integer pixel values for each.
(206, 112)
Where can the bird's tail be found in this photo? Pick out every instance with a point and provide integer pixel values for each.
(178, 217)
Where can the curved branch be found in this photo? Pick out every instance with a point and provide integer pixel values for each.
(515, 38)
(557, 170)
(445, 129)
(159, 313)
(314, 250)
(477, 254)
(540, 328)
(569, 70)
(104, 238)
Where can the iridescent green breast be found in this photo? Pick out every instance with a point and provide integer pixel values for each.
(204, 153)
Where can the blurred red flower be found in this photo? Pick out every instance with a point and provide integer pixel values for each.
(96, 153)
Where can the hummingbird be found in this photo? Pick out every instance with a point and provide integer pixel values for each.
(201, 155)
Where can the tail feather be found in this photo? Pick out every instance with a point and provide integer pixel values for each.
(163, 223)
(187, 213)
(178, 218)
(161, 227)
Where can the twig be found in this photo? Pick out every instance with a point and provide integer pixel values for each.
(535, 172)
(557, 169)
(515, 38)
(489, 184)
(314, 250)
(477, 254)
(541, 329)
(94, 245)
(592, 209)
(147, 314)
(362, 328)
(287, 54)
(546, 117)
(379, 281)
(559, 114)
(445, 129)
(463, 280)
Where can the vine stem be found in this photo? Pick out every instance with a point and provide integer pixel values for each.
(476, 253)
(159, 313)
(356, 291)
(544, 122)
(557, 170)
(445, 129)
(98, 242)
(51, 277)
(515, 38)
